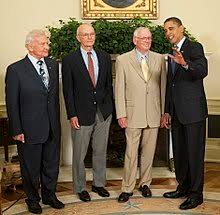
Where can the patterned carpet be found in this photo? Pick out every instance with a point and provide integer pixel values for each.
(137, 205)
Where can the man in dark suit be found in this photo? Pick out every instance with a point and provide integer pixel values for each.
(87, 88)
(186, 109)
(32, 101)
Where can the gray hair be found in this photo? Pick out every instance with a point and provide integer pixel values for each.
(137, 30)
(34, 33)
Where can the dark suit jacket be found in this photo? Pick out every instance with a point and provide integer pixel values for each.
(81, 98)
(185, 90)
(31, 109)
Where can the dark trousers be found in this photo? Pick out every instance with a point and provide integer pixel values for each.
(39, 168)
(189, 149)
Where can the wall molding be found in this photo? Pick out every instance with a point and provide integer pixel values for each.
(212, 144)
(212, 153)
(214, 106)
(2, 109)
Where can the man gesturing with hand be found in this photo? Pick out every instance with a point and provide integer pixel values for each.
(186, 111)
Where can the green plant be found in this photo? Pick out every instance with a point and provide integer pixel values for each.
(112, 37)
(63, 39)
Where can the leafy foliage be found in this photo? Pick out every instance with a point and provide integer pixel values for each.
(63, 39)
(112, 37)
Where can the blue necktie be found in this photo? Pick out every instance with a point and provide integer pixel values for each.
(173, 66)
(43, 74)
(173, 63)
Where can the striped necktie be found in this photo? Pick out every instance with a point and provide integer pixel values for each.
(144, 68)
(43, 75)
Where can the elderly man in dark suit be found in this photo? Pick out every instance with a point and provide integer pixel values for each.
(32, 101)
(186, 109)
(87, 88)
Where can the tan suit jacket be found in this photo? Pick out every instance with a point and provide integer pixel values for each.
(141, 101)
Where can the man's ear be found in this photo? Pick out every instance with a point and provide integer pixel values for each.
(29, 47)
(182, 28)
(134, 40)
(78, 38)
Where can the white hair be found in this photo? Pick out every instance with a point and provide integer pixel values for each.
(33, 34)
(137, 30)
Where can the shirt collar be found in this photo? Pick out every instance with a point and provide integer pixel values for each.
(85, 52)
(180, 43)
(34, 60)
(140, 55)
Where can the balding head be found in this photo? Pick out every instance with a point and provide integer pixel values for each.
(83, 27)
(85, 34)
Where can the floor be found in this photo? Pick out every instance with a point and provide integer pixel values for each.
(163, 179)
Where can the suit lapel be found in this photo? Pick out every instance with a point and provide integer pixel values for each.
(151, 64)
(50, 69)
(82, 66)
(170, 69)
(136, 65)
(101, 63)
(177, 67)
(30, 69)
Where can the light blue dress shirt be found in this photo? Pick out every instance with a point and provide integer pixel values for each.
(95, 61)
(140, 56)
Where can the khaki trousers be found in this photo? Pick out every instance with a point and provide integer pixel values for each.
(147, 137)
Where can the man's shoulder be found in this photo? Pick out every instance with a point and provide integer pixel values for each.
(50, 60)
(71, 55)
(192, 44)
(125, 55)
(102, 52)
(17, 64)
(156, 54)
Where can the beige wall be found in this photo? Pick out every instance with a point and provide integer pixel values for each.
(20, 16)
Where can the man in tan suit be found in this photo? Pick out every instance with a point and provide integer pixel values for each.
(139, 98)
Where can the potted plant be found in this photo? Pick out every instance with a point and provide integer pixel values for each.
(112, 37)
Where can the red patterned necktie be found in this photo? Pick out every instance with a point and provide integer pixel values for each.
(91, 68)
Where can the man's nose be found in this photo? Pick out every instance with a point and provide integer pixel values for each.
(167, 33)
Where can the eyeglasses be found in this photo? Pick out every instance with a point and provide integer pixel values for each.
(144, 38)
(87, 35)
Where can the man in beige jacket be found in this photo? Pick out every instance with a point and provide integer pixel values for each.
(139, 98)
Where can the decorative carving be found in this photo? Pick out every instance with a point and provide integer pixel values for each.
(142, 4)
(119, 9)
(97, 4)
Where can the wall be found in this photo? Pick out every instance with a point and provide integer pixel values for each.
(17, 18)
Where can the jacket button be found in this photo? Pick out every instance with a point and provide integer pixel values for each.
(94, 92)
(173, 85)
(94, 103)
